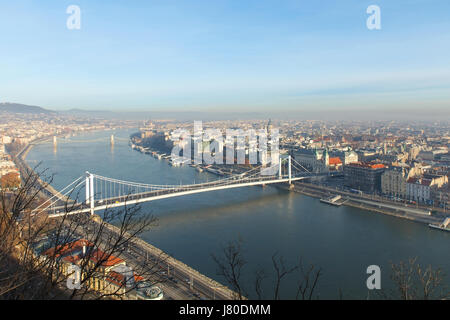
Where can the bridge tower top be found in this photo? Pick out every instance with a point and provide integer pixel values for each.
(89, 186)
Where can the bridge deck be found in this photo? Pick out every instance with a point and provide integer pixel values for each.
(131, 199)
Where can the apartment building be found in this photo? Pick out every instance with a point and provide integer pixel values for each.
(394, 180)
(108, 274)
(420, 189)
(364, 176)
(312, 159)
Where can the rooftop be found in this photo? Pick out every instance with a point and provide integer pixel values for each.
(367, 165)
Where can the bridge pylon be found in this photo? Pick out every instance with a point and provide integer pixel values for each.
(87, 188)
(90, 191)
(280, 162)
(289, 170)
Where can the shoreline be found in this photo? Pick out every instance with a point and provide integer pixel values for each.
(219, 288)
(21, 163)
(311, 191)
(315, 191)
(307, 192)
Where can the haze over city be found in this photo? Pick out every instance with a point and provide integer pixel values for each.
(308, 58)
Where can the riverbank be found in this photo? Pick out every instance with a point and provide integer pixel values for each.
(420, 215)
(179, 268)
(202, 283)
(342, 241)
(398, 212)
(20, 160)
(220, 170)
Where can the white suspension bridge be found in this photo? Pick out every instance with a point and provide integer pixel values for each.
(104, 193)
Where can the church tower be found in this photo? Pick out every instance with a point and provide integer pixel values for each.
(326, 158)
(269, 127)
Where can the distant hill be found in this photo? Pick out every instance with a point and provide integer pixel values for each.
(91, 113)
(22, 108)
(83, 111)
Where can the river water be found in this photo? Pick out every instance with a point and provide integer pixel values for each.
(343, 241)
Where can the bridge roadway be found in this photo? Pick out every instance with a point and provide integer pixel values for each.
(130, 199)
(142, 252)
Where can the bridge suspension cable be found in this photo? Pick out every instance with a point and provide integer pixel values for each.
(298, 166)
(60, 196)
(160, 186)
(102, 192)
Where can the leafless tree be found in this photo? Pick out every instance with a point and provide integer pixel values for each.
(413, 282)
(24, 274)
(231, 265)
(281, 271)
(308, 281)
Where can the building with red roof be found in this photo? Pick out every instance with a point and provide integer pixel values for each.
(421, 189)
(364, 176)
(103, 272)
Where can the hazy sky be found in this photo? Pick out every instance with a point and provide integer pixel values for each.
(227, 55)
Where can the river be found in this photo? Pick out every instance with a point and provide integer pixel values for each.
(343, 241)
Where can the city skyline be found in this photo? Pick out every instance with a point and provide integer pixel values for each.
(228, 56)
(381, 183)
(254, 150)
